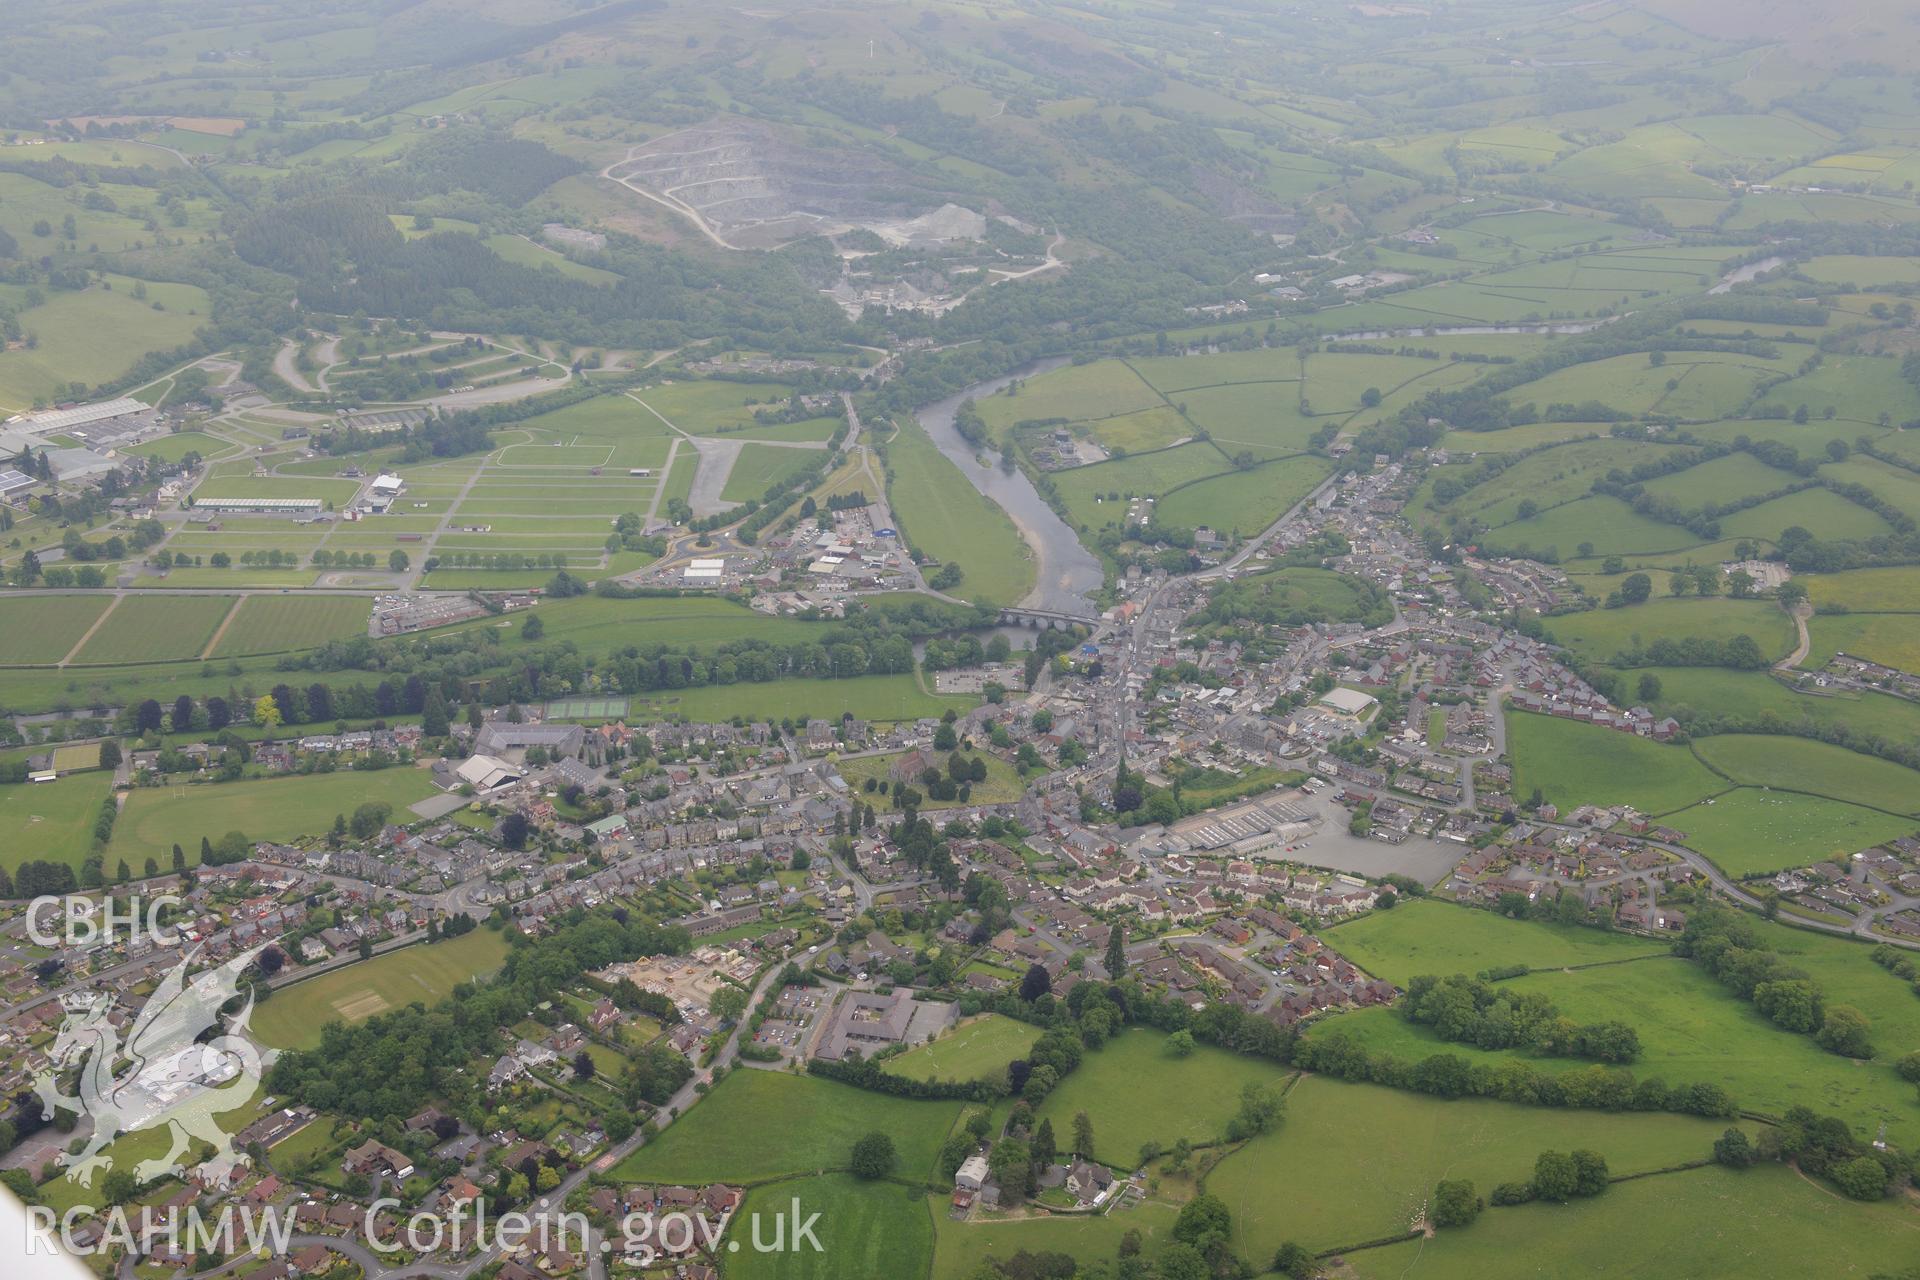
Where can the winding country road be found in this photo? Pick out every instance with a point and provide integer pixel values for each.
(1801, 612)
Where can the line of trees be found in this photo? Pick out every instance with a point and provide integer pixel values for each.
(1473, 1011)
(1729, 946)
(393, 1065)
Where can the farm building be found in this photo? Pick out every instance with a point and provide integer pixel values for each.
(267, 505)
(53, 420)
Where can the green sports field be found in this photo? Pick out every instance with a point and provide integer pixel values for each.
(43, 629)
(275, 624)
(51, 821)
(149, 628)
(154, 819)
(865, 1229)
(977, 1049)
(75, 758)
(293, 1016)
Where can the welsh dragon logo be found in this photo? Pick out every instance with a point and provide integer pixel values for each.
(163, 1074)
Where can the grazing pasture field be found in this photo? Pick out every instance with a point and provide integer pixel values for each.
(1817, 768)
(1319, 593)
(944, 517)
(1573, 763)
(43, 629)
(1634, 384)
(275, 624)
(1337, 380)
(1149, 429)
(154, 819)
(1172, 374)
(1243, 502)
(1514, 439)
(761, 1124)
(1854, 269)
(1748, 694)
(1096, 496)
(93, 336)
(1753, 831)
(706, 406)
(1891, 639)
(1692, 1031)
(1718, 481)
(1136, 1091)
(1426, 936)
(1703, 1224)
(1898, 488)
(1102, 389)
(1820, 509)
(1393, 1146)
(1258, 417)
(1600, 634)
(1608, 524)
(1845, 970)
(1857, 388)
(760, 467)
(1553, 476)
(979, 1048)
(149, 628)
(1895, 589)
(428, 972)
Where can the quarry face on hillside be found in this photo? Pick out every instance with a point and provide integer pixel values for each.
(756, 187)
